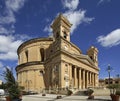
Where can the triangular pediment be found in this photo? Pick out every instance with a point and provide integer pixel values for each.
(86, 59)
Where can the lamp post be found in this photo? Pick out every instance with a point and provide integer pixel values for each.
(109, 70)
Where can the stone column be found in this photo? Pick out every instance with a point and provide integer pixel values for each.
(80, 78)
(93, 79)
(19, 74)
(72, 80)
(34, 80)
(90, 79)
(92, 75)
(87, 79)
(75, 77)
(70, 76)
(26, 81)
(96, 80)
(61, 76)
(83, 79)
(22, 78)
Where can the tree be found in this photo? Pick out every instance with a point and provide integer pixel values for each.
(11, 85)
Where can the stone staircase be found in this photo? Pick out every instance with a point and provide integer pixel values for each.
(80, 92)
(97, 92)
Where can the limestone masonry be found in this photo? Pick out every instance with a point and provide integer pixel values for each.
(55, 62)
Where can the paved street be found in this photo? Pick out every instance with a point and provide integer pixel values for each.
(52, 97)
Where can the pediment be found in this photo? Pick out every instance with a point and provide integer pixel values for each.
(86, 60)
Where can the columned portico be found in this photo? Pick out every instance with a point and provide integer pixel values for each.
(56, 61)
(80, 78)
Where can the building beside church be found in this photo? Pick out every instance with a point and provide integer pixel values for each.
(55, 62)
(1, 82)
(106, 81)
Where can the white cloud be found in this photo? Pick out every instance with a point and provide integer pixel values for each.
(8, 47)
(8, 56)
(70, 4)
(76, 18)
(7, 16)
(103, 1)
(15, 5)
(111, 39)
(3, 30)
(1, 65)
(48, 29)
(22, 36)
(9, 43)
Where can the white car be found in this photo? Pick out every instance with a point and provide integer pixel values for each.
(2, 92)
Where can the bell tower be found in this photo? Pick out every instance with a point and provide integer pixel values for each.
(93, 54)
(61, 27)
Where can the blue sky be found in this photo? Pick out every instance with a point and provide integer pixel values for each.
(95, 22)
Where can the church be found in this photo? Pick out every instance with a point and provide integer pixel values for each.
(55, 62)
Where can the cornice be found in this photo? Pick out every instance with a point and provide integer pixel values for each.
(29, 64)
(33, 41)
(78, 59)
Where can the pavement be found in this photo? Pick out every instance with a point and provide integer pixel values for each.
(53, 97)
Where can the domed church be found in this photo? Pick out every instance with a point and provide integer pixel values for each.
(55, 62)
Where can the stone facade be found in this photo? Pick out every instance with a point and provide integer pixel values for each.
(105, 82)
(55, 62)
(0, 82)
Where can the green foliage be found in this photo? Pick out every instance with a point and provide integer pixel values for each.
(11, 84)
(90, 91)
(117, 92)
(114, 86)
(69, 92)
(3, 86)
(22, 87)
(14, 91)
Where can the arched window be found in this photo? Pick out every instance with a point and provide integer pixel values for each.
(65, 35)
(91, 57)
(41, 72)
(26, 54)
(42, 53)
(19, 59)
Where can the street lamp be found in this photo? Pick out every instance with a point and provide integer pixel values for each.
(109, 70)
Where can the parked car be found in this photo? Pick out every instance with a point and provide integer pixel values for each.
(2, 92)
(31, 92)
